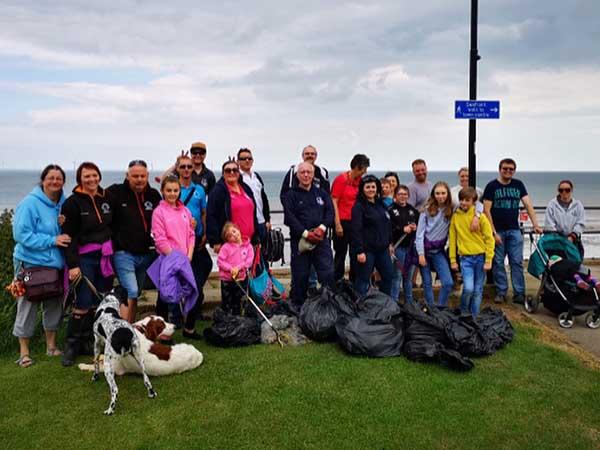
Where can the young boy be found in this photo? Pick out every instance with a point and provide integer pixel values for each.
(476, 250)
(387, 196)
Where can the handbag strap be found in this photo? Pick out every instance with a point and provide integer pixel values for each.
(257, 260)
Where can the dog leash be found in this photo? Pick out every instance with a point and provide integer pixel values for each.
(73, 290)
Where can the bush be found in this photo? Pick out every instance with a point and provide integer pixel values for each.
(8, 305)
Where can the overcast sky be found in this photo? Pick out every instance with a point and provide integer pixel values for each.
(121, 80)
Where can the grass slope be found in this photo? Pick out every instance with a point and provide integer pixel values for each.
(526, 396)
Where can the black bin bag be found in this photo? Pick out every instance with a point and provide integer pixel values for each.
(228, 330)
(371, 337)
(320, 313)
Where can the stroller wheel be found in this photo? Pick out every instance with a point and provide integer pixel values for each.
(592, 320)
(531, 304)
(565, 320)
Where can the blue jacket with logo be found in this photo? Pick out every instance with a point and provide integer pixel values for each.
(371, 228)
(306, 209)
(35, 227)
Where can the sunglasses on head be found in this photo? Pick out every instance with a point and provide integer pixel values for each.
(186, 166)
(231, 170)
(564, 190)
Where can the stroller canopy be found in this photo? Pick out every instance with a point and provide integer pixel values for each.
(548, 245)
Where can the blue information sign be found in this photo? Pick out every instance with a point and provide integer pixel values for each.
(477, 109)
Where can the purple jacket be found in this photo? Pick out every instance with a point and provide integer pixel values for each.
(173, 277)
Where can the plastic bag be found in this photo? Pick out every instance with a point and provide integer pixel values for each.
(318, 316)
(371, 337)
(228, 330)
(288, 330)
(377, 305)
(496, 328)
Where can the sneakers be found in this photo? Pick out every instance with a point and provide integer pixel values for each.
(519, 299)
(499, 298)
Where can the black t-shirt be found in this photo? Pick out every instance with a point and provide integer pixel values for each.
(506, 201)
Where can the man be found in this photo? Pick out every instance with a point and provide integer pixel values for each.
(501, 203)
(321, 178)
(420, 189)
(201, 175)
(463, 182)
(194, 198)
(254, 180)
(134, 202)
(308, 212)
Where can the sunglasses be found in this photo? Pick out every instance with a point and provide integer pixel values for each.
(186, 166)
(564, 190)
(198, 152)
(137, 162)
(231, 170)
(246, 158)
(508, 169)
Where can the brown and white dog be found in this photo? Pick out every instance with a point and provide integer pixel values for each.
(159, 359)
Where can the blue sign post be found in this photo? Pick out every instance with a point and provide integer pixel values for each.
(477, 109)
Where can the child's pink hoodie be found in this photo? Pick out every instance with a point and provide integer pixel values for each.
(172, 228)
(235, 255)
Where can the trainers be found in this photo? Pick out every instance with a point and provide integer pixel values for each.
(499, 298)
(519, 299)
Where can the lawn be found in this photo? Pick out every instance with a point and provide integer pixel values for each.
(528, 396)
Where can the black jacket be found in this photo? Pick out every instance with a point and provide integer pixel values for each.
(206, 178)
(400, 217)
(290, 181)
(218, 212)
(304, 210)
(370, 228)
(132, 217)
(87, 220)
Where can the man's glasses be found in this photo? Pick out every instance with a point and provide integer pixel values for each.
(231, 170)
(507, 169)
(137, 162)
(186, 166)
(564, 190)
(246, 158)
(198, 152)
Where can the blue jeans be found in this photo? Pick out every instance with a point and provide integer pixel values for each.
(471, 267)
(131, 270)
(402, 280)
(438, 262)
(380, 260)
(512, 245)
(89, 264)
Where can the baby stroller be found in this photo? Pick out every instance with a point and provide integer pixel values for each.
(555, 261)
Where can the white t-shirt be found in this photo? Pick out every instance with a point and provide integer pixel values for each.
(252, 180)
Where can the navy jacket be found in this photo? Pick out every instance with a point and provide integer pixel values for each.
(304, 210)
(290, 180)
(370, 227)
(218, 211)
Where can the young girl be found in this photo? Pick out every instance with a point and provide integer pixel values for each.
(432, 234)
(172, 230)
(234, 260)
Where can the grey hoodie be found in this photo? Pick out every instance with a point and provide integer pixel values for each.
(565, 222)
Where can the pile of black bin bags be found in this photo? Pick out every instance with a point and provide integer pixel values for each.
(377, 326)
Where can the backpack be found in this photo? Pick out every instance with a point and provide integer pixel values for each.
(274, 244)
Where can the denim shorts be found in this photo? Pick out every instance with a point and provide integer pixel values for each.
(131, 271)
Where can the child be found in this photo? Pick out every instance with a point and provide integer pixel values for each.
(387, 193)
(172, 230)
(234, 260)
(476, 250)
(432, 234)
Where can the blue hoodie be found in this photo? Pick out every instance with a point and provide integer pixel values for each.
(35, 227)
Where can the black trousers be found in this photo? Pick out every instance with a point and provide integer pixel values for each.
(341, 247)
(201, 266)
(231, 296)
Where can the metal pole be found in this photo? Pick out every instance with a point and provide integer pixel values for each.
(474, 57)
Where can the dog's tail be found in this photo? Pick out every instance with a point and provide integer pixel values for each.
(121, 341)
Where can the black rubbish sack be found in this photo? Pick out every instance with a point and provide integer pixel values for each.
(371, 337)
(318, 316)
(345, 298)
(496, 328)
(228, 330)
(377, 305)
(428, 351)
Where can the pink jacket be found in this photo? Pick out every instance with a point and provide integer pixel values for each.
(172, 228)
(235, 255)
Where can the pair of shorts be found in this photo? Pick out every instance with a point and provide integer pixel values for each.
(131, 271)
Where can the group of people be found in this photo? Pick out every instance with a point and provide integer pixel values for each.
(98, 234)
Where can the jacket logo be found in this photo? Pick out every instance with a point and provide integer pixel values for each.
(105, 207)
(148, 205)
(320, 201)
(204, 182)
(124, 205)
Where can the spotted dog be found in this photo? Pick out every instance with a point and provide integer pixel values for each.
(119, 339)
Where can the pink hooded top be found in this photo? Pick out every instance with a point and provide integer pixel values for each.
(235, 255)
(172, 228)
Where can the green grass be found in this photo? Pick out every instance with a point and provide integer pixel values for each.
(526, 396)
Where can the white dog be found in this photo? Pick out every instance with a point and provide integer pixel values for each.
(159, 359)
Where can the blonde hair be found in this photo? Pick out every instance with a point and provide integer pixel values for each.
(226, 228)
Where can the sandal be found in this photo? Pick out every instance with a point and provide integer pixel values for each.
(24, 361)
(54, 352)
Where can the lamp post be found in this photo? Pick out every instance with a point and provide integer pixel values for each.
(474, 57)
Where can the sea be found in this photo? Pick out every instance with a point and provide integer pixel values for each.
(15, 184)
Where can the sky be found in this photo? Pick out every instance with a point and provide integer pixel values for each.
(113, 81)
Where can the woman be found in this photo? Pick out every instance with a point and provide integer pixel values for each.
(404, 218)
(432, 234)
(38, 240)
(88, 216)
(343, 195)
(231, 200)
(566, 215)
(370, 237)
(394, 181)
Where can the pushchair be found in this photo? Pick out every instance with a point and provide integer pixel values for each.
(558, 291)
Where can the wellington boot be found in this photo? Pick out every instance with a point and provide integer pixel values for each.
(73, 341)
